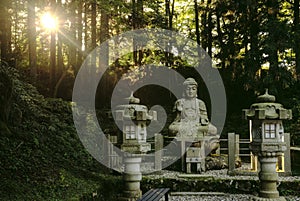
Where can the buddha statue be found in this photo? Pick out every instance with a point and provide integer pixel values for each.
(191, 118)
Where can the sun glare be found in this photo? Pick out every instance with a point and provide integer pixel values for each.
(49, 21)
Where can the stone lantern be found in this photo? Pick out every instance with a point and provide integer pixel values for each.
(133, 119)
(267, 141)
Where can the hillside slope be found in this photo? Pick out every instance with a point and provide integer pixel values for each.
(41, 156)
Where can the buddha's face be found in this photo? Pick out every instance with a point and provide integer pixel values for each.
(191, 91)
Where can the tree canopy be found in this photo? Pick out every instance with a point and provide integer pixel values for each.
(253, 43)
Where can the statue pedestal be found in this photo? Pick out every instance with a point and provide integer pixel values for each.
(192, 154)
(195, 155)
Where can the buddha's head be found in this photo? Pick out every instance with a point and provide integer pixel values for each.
(190, 88)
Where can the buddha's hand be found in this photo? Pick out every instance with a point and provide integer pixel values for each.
(204, 121)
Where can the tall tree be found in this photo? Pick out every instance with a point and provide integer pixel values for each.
(253, 56)
(32, 38)
(137, 23)
(52, 51)
(94, 24)
(104, 28)
(86, 27)
(206, 11)
(273, 30)
(80, 35)
(60, 16)
(72, 36)
(5, 30)
(209, 28)
(220, 43)
(104, 54)
(134, 26)
(60, 71)
(297, 36)
(169, 7)
(197, 21)
(169, 25)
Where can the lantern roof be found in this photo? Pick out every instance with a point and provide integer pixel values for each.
(134, 111)
(267, 108)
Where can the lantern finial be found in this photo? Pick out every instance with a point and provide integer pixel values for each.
(266, 98)
(132, 99)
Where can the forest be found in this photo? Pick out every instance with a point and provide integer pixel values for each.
(254, 44)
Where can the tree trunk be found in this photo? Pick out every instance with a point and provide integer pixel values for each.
(254, 64)
(59, 81)
(171, 15)
(52, 60)
(203, 33)
(104, 56)
(197, 21)
(86, 37)
(140, 21)
(209, 29)
(60, 64)
(93, 30)
(52, 53)
(232, 50)
(94, 24)
(104, 30)
(169, 25)
(72, 35)
(137, 23)
(79, 38)
(32, 39)
(134, 26)
(273, 9)
(168, 14)
(5, 30)
(296, 36)
(220, 39)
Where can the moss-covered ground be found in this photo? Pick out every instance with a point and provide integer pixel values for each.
(41, 156)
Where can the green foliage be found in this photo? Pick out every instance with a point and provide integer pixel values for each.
(293, 103)
(41, 155)
(6, 86)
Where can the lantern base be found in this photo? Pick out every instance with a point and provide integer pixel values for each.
(131, 195)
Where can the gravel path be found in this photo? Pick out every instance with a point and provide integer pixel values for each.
(222, 174)
(209, 198)
(227, 197)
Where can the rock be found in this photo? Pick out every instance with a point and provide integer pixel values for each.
(216, 162)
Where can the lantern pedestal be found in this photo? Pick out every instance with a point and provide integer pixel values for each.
(132, 177)
(268, 178)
